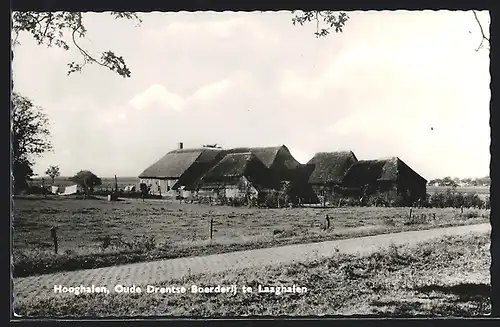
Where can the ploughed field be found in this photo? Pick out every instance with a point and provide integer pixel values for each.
(96, 233)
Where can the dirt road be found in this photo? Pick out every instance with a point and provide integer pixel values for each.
(160, 271)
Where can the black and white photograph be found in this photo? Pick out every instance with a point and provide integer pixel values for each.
(251, 164)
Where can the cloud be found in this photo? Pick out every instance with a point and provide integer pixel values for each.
(215, 29)
(157, 95)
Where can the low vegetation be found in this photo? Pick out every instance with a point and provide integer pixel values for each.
(445, 277)
(96, 233)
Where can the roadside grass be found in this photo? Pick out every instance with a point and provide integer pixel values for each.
(95, 233)
(445, 277)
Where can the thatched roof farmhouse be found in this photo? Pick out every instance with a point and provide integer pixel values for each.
(329, 168)
(180, 168)
(185, 168)
(325, 171)
(389, 176)
(326, 174)
(237, 172)
(278, 159)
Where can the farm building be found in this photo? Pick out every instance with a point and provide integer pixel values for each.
(284, 168)
(183, 169)
(326, 172)
(278, 159)
(237, 175)
(180, 169)
(389, 177)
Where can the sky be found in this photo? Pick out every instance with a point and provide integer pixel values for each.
(404, 83)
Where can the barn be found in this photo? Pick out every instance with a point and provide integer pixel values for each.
(278, 159)
(180, 169)
(237, 175)
(389, 177)
(327, 170)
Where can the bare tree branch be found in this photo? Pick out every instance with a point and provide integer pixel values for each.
(483, 36)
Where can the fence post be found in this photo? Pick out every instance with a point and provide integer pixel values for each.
(53, 233)
(211, 227)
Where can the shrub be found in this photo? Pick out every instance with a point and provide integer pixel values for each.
(416, 219)
(487, 203)
(350, 202)
(471, 214)
(237, 202)
(398, 201)
(270, 199)
(389, 221)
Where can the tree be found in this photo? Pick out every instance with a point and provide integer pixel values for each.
(333, 21)
(53, 172)
(52, 29)
(86, 180)
(483, 36)
(30, 138)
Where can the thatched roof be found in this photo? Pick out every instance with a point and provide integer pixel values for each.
(236, 165)
(175, 163)
(271, 155)
(190, 165)
(330, 167)
(365, 172)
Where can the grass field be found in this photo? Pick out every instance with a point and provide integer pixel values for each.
(446, 277)
(135, 231)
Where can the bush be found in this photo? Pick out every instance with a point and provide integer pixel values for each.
(269, 199)
(471, 214)
(237, 202)
(416, 219)
(451, 199)
(37, 190)
(487, 203)
(398, 201)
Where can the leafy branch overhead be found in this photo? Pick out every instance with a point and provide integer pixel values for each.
(54, 29)
(326, 21)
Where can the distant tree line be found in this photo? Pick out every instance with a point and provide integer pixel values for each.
(455, 182)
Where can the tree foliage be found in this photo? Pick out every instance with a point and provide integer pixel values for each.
(55, 28)
(30, 138)
(326, 21)
(53, 172)
(87, 180)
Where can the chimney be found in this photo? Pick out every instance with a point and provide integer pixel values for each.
(180, 146)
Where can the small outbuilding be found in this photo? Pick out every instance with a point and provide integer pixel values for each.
(389, 177)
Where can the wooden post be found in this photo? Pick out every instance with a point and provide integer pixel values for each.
(410, 211)
(211, 227)
(53, 233)
(327, 222)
